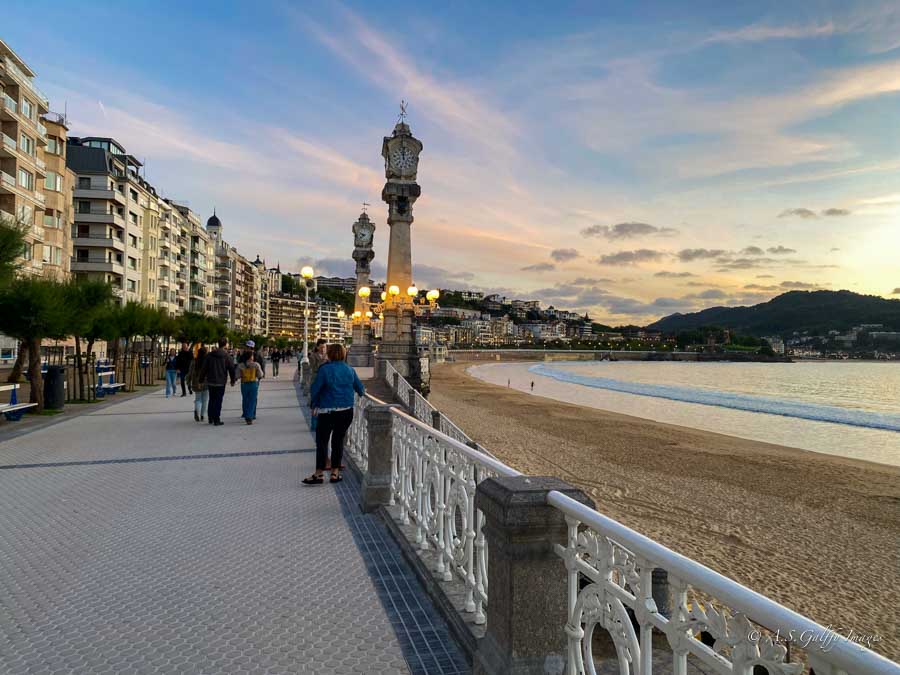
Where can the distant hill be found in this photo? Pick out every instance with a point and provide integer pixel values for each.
(813, 311)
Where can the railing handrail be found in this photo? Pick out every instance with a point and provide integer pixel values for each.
(847, 654)
(476, 456)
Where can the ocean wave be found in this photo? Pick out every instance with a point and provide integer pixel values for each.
(724, 399)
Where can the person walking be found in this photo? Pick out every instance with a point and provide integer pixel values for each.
(217, 369)
(275, 358)
(250, 373)
(184, 365)
(171, 372)
(201, 392)
(332, 398)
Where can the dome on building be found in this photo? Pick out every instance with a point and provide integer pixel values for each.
(213, 221)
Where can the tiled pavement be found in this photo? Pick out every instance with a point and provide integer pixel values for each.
(134, 540)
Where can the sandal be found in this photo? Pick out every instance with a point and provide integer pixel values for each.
(313, 480)
(335, 479)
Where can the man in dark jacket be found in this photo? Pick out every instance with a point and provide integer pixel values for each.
(183, 361)
(217, 370)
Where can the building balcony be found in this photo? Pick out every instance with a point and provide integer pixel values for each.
(9, 109)
(98, 215)
(97, 264)
(7, 216)
(98, 241)
(100, 193)
(8, 148)
(12, 74)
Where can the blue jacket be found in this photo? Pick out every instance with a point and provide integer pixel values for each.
(334, 386)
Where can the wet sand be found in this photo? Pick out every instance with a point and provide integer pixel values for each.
(817, 533)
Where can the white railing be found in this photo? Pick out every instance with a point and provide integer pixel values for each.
(610, 571)
(433, 482)
(358, 435)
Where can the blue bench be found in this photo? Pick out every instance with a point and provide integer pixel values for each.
(14, 410)
(109, 387)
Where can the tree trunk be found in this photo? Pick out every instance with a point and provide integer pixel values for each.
(79, 375)
(16, 372)
(35, 377)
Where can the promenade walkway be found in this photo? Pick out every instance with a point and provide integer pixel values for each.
(135, 540)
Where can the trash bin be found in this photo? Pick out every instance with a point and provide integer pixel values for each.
(55, 387)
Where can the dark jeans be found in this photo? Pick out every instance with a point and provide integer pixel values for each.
(333, 425)
(216, 394)
(274, 368)
(182, 377)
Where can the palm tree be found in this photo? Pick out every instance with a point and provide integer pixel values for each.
(32, 309)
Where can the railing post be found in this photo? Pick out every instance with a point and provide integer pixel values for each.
(375, 489)
(436, 419)
(411, 402)
(527, 581)
(396, 382)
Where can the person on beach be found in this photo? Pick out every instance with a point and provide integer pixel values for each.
(184, 365)
(275, 358)
(532, 386)
(217, 369)
(332, 398)
(250, 373)
(201, 393)
(171, 372)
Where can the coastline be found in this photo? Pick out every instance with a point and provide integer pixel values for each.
(817, 533)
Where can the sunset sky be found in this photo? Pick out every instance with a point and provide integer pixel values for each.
(628, 159)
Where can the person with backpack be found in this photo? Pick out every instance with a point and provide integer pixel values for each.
(250, 373)
(201, 393)
(217, 369)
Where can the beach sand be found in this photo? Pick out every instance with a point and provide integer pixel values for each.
(817, 533)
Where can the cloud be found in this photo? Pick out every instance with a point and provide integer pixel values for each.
(710, 294)
(762, 32)
(674, 275)
(564, 254)
(691, 254)
(539, 267)
(780, 250)
(429, 276)
(626, 231)
(752, 250)
(798, 285)
(765, 276)
(799, 213)
(834, 250)
(591, 281)
(835, 212)
(761, 287)
(896, 291)
(630, 257)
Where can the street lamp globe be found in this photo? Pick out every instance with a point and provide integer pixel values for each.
(307, 272)
(383, 296)
(394, 291)
(432, 295)
(412, 291)
(365, 292)
(368, 315)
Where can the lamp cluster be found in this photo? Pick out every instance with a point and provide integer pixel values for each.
(412, 293)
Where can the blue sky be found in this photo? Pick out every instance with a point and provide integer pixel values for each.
(630, 159)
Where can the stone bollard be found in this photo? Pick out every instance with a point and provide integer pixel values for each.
(375, 489)
(527, 581)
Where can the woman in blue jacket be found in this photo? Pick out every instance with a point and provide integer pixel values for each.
(332, 399)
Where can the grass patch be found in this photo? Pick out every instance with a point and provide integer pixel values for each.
(48, 413)
(82, 402)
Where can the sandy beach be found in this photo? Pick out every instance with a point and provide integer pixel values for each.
(819, 534)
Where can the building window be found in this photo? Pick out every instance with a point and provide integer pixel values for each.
(133, 195)
(132, 286)
(27, 108)
(53, 145)
(26, 180)
(132, 263)
(84, 183)
(84, 207)
(132, 217)
(27, 252)
(53, 181)
(132, 241)
(26, 144)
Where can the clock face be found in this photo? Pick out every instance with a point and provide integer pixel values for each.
(365, 235)
(403, 159)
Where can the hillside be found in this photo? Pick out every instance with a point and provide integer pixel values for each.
(813, 311)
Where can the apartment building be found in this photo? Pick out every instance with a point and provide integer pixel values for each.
(111, 198)
(168, 266)
(240, 287)
(329, 325)
(59, 190)
(23, 137)
(286, 316)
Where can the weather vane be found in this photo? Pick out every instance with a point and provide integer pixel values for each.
(365, 206)
(403, 105)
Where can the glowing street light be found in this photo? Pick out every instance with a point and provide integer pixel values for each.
(307, 272)
(412, 291)
(365, 292)
(394, 291)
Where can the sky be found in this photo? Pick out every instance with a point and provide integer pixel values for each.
(629, 160)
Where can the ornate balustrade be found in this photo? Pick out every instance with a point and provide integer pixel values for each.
(610, 578)
(714, 622)
(433, 482)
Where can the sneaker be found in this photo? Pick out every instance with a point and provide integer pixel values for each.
(196, 416)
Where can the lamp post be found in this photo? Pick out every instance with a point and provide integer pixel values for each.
(307, 274)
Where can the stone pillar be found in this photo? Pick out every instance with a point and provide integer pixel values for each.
(375, 489)
(527, 581)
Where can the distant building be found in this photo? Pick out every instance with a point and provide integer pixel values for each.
(346, 284)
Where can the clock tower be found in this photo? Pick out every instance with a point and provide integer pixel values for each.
(361, 351)
(401, 152)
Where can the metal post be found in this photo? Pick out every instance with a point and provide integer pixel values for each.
(306, 323)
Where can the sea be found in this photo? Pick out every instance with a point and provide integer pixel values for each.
(845, 408)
